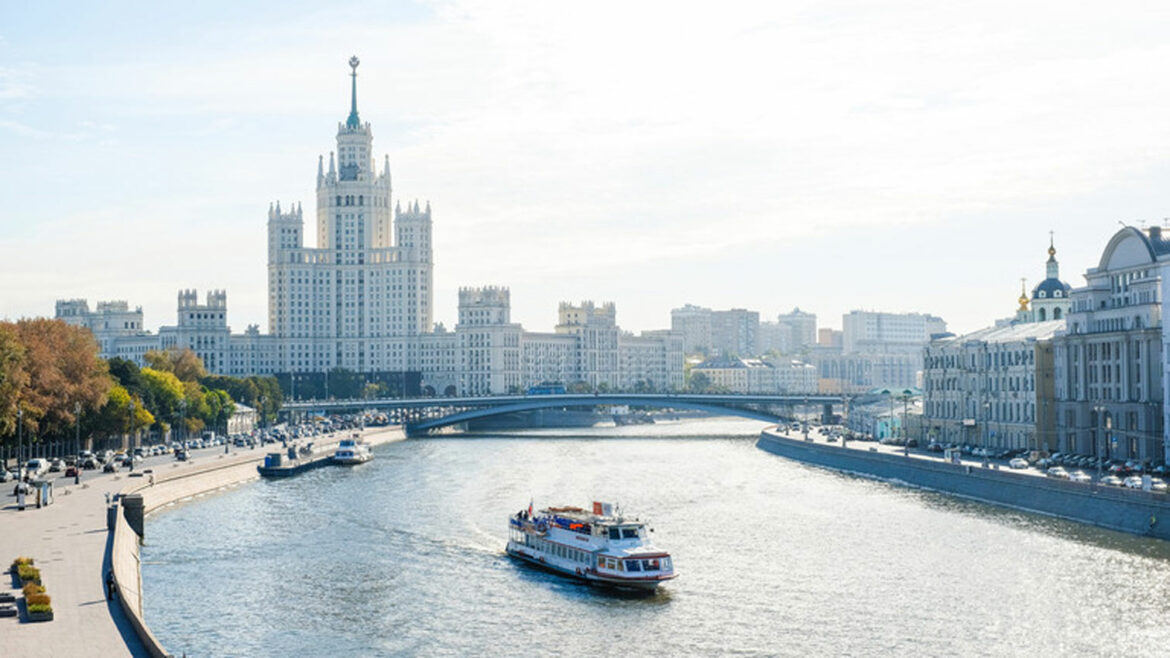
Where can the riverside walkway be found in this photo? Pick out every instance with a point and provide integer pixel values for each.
(73, 550)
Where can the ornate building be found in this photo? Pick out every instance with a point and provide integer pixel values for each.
(1109, 362)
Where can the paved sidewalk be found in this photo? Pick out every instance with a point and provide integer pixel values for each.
(70, 544)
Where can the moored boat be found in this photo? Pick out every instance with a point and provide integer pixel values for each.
(350, 452)
(598, 547)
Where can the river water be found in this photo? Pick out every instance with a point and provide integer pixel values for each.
(404, 556)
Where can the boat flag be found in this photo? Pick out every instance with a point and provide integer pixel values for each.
(530, 507)
(597, 508)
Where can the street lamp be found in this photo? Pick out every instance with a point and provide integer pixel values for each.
(19, 442)
(130, 427)
(986, 430)
(1099, 421)
(77, 442)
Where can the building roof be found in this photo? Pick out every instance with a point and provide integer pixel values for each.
(1016, 332)
(1049, 287)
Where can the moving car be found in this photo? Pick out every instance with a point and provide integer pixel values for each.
(1018, 463)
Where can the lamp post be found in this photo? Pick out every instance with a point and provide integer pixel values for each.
(76, 442)
(1098, 414)
(986, 431)
(130, 426)
(183, 418)
(19, 442)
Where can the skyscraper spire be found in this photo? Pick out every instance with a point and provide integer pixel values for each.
(353, 121)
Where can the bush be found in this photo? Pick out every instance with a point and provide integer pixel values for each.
(29, 573)
(38, 599)
(16, 564)
(32, 588)
(39, 607)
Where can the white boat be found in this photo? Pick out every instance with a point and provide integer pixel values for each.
(598, 546)
(350, 452)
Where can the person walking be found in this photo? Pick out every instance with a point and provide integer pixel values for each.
(109, 584)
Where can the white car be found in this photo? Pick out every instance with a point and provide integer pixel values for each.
(1134, 482)
(36, 467)
(1080, 476)
(1058, 472)
(1018, 462)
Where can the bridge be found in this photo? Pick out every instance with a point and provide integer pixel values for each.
(422, 415)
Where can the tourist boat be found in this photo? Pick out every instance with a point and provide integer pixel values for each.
(350, 452)
(598, 547)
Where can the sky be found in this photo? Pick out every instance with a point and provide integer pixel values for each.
(831, 155)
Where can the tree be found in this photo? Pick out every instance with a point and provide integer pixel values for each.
(13, 377)
(183, 363)
(61, 369)
(165, 391)
(699, 383)
(579, 387)
(114, 416)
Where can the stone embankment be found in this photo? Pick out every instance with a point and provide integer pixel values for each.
(1127, 510)
(145, 496)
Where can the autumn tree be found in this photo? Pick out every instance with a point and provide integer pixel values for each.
(13, 377)
(61, 370)
(183, 363)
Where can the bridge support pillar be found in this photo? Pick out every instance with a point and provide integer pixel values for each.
(827, 414)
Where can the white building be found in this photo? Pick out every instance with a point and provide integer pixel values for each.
(872, 332)
(798, 330)
(1110, 363)
(693, 323)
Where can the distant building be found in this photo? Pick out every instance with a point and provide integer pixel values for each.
(830, 338)
(693, 323)
(798, 330)
(735, 332)
(871, 332)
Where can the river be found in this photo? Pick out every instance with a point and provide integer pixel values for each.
(404, 556)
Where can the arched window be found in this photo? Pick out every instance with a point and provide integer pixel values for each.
(1043, 293)
(1043, 315)
(1056, 313)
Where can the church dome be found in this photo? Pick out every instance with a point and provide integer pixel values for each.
(1051, 288)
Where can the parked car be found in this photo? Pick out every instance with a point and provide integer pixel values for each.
(1111, 481)
(1080, 476)
(110, 467)
(71, 471)
(56, 466)
(88, 460)
(1018, 463)
(1133, 482)
(1058, 472)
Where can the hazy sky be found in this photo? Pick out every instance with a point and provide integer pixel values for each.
(900, 156)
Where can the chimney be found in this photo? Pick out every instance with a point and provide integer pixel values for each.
(1156, 233)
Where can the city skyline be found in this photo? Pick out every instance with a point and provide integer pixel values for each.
(554, 167)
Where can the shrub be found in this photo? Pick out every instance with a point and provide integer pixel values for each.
(40, 607)
(22, 560)
(29, 573)
(38, 599)
(32, 588)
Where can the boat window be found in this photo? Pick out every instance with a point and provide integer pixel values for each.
(651, 565)
(666, 564)
(634, 565)
(629, 533)
(615, 533)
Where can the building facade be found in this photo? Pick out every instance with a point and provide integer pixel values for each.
(1110, 362)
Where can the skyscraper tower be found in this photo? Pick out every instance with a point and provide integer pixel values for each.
(359, 298)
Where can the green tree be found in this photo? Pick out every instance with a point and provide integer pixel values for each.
(183, 363)
(165, 391)
(699, 383)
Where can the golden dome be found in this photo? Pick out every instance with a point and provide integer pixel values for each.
(1023, 300)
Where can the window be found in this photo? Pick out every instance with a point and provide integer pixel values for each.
(629, 533)
(615, 533)
(633, 565)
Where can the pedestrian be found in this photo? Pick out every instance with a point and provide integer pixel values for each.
(109, 584)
